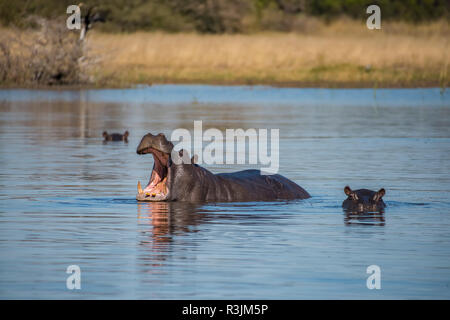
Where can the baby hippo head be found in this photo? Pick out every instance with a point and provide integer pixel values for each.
(364, 200)
(115, 136)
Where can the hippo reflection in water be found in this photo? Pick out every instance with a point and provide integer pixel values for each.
(364, 200)
(190, 182)
(115, 136)
(168, 218)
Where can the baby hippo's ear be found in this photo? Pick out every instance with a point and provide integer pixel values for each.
(378, 195)
(349, 192)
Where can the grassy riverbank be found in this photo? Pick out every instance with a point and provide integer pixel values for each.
(342, 54)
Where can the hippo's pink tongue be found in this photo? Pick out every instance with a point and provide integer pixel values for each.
(154, 180)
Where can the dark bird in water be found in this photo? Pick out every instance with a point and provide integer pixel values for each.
(91, 16)
(115, 136)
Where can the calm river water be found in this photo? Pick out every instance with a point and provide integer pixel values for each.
(68, 199)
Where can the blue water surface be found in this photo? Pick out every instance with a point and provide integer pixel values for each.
(68, 199)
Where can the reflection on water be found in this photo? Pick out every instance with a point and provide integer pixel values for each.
(167, 219)
(364, 218)
(66, 198)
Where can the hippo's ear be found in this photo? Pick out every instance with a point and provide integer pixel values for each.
(182, 152)
(378, 195)
(184, 155)
(180, 157)
(349, 192)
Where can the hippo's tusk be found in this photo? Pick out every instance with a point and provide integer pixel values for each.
(139, 187)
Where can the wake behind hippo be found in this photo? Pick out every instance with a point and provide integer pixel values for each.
(190, 182)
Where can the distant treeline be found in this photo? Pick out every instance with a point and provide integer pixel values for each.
(221, 16)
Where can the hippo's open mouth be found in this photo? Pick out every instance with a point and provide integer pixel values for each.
(157, 187)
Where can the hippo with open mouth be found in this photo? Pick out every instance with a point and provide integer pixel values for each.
(190, 182)
(364, 200)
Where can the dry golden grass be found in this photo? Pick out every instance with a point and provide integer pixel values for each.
(342, 54)
(345, 53)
